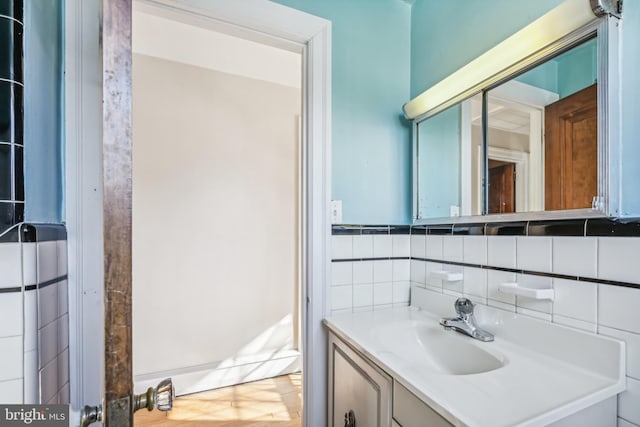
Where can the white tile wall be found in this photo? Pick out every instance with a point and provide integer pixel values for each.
(363, 246)
(363, 295)
(401, 270)
(418, 246)
(11, 392)
(435, 247)
(452, 248)
(618, 259)
(475, 249)
(536, 282)
(10, 314)
(11, 366)
(49, 382)
(501, 251)
(534, 253)
(10, 258)
(47, 261)
(341, 297)
(494, 279)
(618, 307)
(431, 280)
(31, 388)
(363, 272)
(632, 343)
(61, 249)
(401, 245)
(382, 293)
(48, 301)
(30, 263)
(575, 323)
(576, 256)
(418, 271)
(382, 246)
(629, 402)
(577, 300)
(342, 247)
(624, 423)
(382, 271)
(475, 283)
(341, 273)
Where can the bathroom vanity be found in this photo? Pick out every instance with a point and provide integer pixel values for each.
(399, 367)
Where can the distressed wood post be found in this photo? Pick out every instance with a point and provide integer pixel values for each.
(116, 142)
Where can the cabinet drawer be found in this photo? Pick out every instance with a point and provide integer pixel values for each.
(409, 411)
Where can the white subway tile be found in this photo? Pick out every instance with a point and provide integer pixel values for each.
(578, 300)
(341, 298)
(49, 381)
(10, 265)
(574, 323)
(363, 246)
(628, 407)
(618, 258)
(575, 256)
(502, 305)
(418, 246)
(362, 272)
(341, 273)
(342, 311)
(362, 296)
(632, 344)
(29, 263)
(63, 297)
(30, 320)
(401, 269)
(63, 332)
(10, 314)
(618, 307)
(401, 245)
(624, 423)
(341, 247)
(452, 248)
(534, 314)
(380, 307)
(534, 253)
(453, 290)
(63, 368)
(494, 279)
(63, 395)
(501, 251)
(47, 304)
(431, 279)
(401, 292)
(11, 358)
(535, 282)
(475, 282)
(61, 248)
(382, 271)
(31, 392)
(475, 249)
(435, 247)
(456, 286)
(11, 392)
(382, 246)
(48, 343)
(418, 271)
(383, 293)
(47, 261)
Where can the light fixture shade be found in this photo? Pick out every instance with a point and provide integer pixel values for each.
(557, 23)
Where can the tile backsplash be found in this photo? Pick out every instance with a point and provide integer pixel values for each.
(592, 265)
(34, 315)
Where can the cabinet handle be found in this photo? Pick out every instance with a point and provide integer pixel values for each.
(350, 418)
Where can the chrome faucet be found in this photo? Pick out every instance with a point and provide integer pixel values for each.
(466, 322)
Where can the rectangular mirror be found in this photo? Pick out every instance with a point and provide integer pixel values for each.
(542, 136)
(531, 142)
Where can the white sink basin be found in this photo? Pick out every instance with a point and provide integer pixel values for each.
(433, 347)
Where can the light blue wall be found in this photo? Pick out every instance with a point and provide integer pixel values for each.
(43, 107)
(439, 170)
(371, 145)
(578, 68)
(445, 35)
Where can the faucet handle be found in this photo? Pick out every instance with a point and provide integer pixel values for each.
(463, 306)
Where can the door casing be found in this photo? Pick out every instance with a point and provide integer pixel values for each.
(269, 23)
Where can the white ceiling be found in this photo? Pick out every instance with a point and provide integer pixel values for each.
(168, 39)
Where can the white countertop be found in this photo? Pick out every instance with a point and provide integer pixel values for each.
(550, 371)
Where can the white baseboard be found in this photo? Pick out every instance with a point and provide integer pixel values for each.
(222, 374)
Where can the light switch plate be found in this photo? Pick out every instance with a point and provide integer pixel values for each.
(336, 212)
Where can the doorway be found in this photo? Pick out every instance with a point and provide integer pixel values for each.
(217, 164)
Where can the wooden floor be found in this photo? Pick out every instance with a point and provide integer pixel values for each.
(272, 402)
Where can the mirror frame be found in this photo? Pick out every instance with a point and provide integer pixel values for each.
(608, 200)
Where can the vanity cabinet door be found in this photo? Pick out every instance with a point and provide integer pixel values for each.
(409, 411)
(359, 393)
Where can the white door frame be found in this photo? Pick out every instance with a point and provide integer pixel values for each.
(270, 23)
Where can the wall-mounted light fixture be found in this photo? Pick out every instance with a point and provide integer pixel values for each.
(566, 18)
